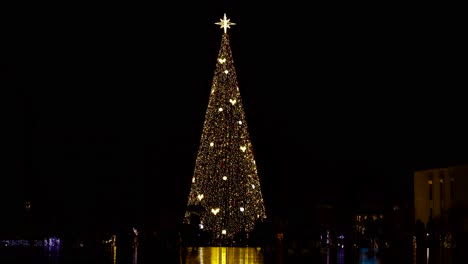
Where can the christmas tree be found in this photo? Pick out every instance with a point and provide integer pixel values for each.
(225, 183)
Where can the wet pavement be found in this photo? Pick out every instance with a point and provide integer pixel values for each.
(210, 255)
(228, 255)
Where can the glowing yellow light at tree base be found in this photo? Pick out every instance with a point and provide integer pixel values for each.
(225, 171)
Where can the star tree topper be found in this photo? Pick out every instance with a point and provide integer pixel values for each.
(225, 23)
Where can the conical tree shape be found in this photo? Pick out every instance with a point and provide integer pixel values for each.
(225, 180)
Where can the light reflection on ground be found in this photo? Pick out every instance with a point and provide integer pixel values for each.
(368, 256)
(224, 255)
(239, 255)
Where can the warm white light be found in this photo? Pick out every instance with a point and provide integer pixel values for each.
(215, 210)
(215, 166)
(225, 23)
(223, 232)
(193, 179)
(200, 197)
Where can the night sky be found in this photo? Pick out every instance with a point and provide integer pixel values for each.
(107, 103)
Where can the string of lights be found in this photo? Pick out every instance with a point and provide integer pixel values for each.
(225, 180)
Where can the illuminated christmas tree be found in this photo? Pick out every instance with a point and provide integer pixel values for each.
(225, 181)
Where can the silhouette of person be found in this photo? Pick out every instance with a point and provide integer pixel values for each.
(195, 227)
(430, 231)
(420, 233)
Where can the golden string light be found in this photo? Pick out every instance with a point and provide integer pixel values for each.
(225, 171)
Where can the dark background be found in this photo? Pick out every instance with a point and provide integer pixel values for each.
(105, 104)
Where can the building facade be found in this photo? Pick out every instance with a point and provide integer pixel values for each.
(441, 197)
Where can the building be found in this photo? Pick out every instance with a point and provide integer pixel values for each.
(440, 195)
